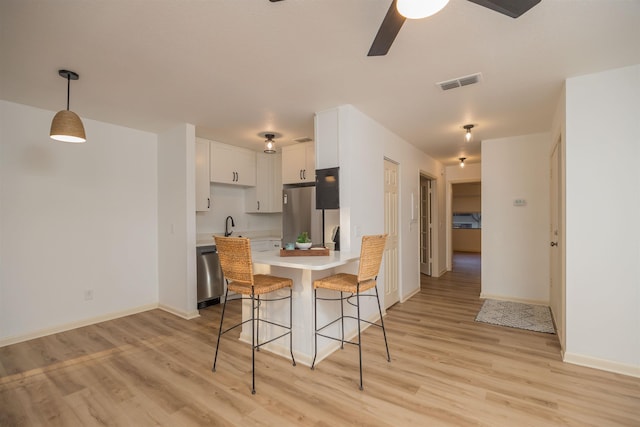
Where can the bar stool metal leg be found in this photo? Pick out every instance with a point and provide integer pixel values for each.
(253, 345)
(359, 338)
(342, 319)
(293, 359)
(384, 331)
(258, 323)
(315, 327)
(224, 306)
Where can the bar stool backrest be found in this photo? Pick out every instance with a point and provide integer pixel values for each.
(371, 256)
(235, 258)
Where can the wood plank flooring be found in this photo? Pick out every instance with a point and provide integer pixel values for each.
(155, 369)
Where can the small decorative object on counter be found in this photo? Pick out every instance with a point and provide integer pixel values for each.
(303, 241)
(289, 246)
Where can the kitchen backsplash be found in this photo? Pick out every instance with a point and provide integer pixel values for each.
(229, 200)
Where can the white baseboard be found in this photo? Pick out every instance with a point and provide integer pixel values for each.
(406, 298)
(602, 364)
(73, 325)
(514, 299)
(183, 314)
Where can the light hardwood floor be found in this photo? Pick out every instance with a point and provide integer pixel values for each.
(155, 369)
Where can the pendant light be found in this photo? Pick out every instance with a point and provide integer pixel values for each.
(462, 159)
(467, 135)
(269, 143)
(418, 9)
(66, 125)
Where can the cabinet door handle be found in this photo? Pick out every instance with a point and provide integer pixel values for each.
(301, 174)
(304, 174)
(258, 202)
(208, 203)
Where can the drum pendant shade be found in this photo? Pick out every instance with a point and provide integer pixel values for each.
(66, 125)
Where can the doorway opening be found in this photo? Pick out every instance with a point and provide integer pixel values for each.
(466, 218)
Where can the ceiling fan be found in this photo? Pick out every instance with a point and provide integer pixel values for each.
(393, 21)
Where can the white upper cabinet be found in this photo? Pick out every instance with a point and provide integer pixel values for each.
(232, 165)
(203, 185)
(298, 163)
(266, 196)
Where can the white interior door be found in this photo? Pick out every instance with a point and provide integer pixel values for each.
(391, 292)
(556, 291)
(426, 226)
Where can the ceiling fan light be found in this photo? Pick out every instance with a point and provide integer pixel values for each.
(418, 9)
(66, 126)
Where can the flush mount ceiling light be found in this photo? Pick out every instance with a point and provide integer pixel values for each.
(418, 9)
(269, 143)
(462, 159)
(467, 135)
(66, 125)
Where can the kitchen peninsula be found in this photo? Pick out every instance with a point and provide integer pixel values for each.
(304, 270)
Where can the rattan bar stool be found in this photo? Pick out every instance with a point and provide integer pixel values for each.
(370, 259)
(237, 267)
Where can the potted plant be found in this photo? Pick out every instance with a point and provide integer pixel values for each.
(303, 241)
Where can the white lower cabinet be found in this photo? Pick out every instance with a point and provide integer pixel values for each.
(264, 245)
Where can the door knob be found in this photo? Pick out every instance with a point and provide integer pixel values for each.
(554, 243)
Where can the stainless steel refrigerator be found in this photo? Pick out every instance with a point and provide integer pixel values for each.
(299, 214)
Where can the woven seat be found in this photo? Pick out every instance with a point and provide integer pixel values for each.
(354, 285)
(237, 268)
(343, 282)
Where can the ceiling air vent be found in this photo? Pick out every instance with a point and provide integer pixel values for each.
(303, 139)
(460, 81)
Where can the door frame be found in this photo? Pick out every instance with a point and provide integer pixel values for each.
(558, 254)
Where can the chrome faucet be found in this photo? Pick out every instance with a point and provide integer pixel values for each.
(227, 233)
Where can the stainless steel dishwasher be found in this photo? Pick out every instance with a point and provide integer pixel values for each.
(209, 276)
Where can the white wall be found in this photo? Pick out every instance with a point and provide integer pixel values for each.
(515, 239)
(602, 249)
(73, 217)
(363, 146)
(177, 221)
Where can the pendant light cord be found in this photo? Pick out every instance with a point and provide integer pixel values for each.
(68, 89)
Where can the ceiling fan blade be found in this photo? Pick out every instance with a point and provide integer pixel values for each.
(387, 32)
(512, 8)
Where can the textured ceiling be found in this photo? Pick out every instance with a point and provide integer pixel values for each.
(236, 68)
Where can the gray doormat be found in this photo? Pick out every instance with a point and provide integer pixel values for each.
(516, 315)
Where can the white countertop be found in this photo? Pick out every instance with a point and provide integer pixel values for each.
(334, 259)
